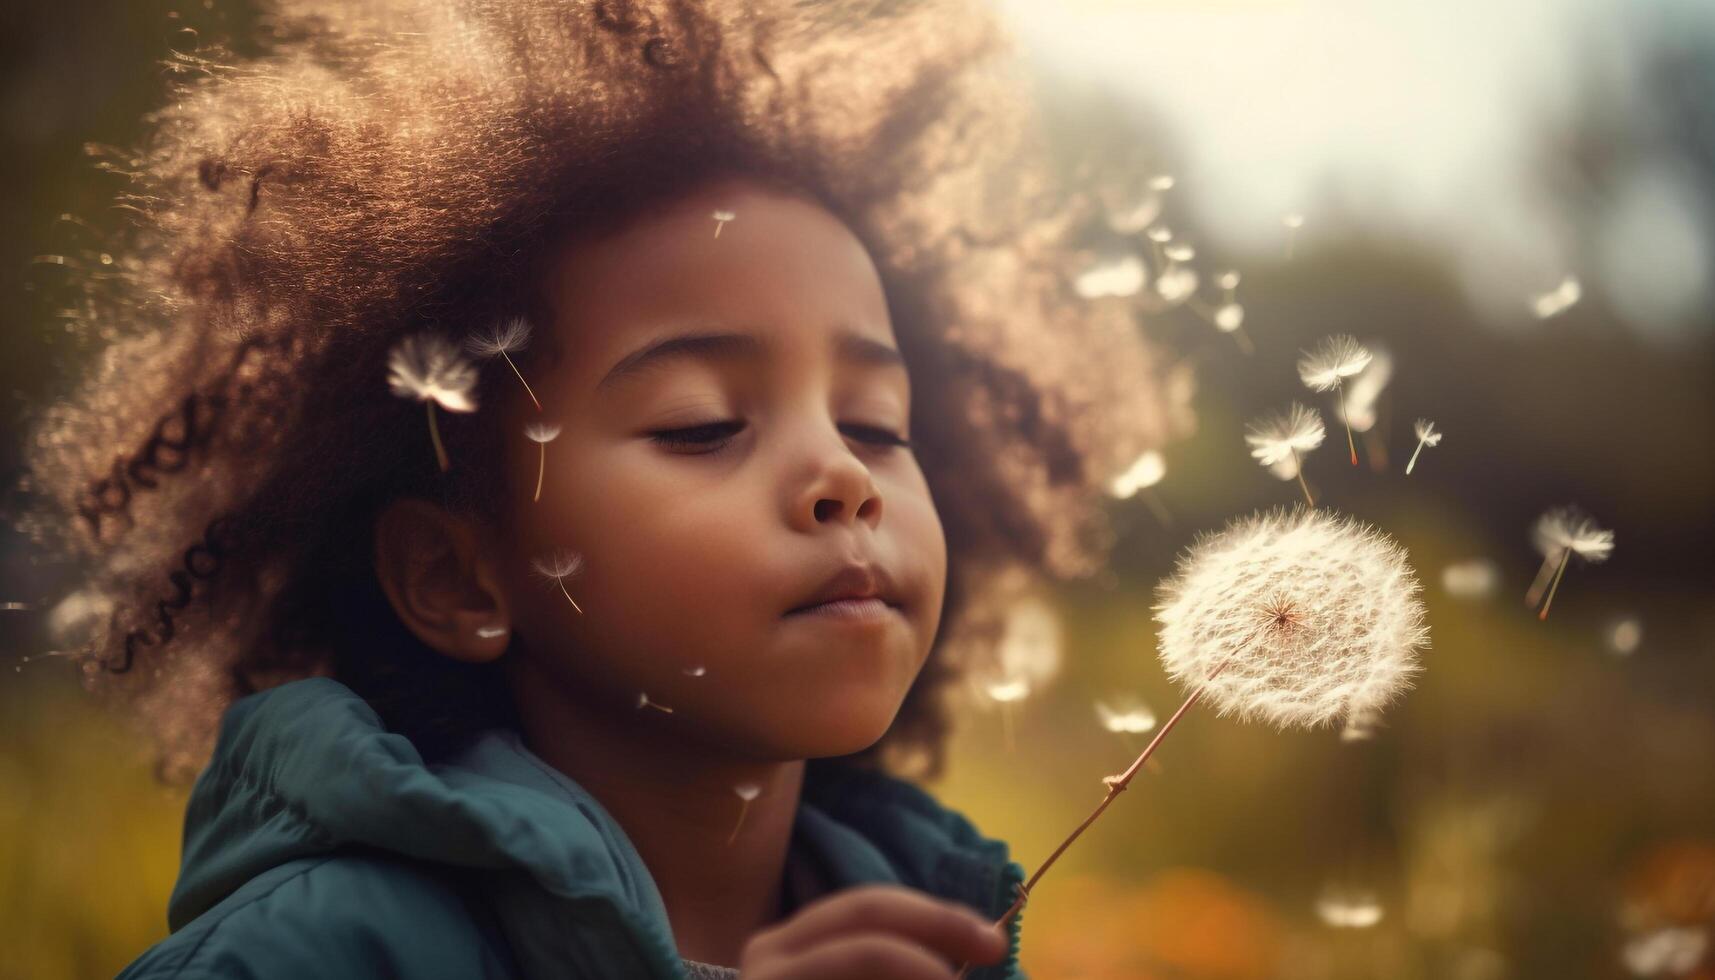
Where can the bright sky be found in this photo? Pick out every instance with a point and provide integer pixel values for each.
(1423, 115)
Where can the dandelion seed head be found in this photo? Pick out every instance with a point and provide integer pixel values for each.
(1122, 276)
(1315, 616)
(1426, 434)
(1331, 361)
(427, 367)
(559, 565)
(747, 791)
(507, 338)
(1278, 435)
(1568, 527)
(541, 431)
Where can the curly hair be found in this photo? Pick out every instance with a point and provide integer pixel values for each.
(384, 166)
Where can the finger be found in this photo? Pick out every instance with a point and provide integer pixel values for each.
(865, 957)
(955, 931)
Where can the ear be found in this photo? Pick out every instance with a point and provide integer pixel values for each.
(441, 579)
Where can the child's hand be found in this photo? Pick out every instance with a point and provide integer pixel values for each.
(873, 931)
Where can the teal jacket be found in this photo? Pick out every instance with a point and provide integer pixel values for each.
(319, 844)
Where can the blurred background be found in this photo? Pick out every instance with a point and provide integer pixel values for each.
(1512, 204)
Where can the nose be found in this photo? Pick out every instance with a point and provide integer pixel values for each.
(838, 490)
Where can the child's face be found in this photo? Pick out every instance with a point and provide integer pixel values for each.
(695, 551)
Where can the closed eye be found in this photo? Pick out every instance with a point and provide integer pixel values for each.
(712, 437)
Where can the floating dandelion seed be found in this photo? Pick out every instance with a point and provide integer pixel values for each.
(1161, 182)
(1005, 693)
(1229, 317)
(1294, 617)
(1122, 276)
(1179, 252)
(1426, 436)
(1557, 300)
(1363, 393)
(1145, 472)
(504, 341)
(644, 702)
(1360, 726)
(1625, 635)
(745, 792)
(1327, 367)
(1562, 533)
(1293, 221)
(1125, 715)
(1160, 234)
(1176, 283)
(1474, 578)
(696, 671)
(1348, 908)
(1131, 219)
(560, 566)
(1229, 281)
(427, 366)
(1278, 437)
(721, 218)
(541, 433)
(1667, 951)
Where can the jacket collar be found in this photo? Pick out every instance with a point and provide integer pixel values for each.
(307, 767)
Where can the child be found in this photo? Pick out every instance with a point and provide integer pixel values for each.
(592, 663)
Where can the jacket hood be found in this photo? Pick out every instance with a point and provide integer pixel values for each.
(307, 767)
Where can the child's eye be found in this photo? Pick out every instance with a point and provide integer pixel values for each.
(712, 437)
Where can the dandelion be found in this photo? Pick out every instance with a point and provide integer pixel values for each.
(1562, 533)
(745, 793)
(1122, 276)
(504, 341)
(427, 366)
(1294, 617)
(1278, 437)
(644, 702)
(1426, 436)
(1327, 367)
(541, 433)
(721, 218)
(560, 566)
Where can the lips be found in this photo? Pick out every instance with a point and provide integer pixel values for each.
(852, 581)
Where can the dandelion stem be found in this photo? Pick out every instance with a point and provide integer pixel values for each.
(1565, 555)
(435, 434)
(1298, 466)
(1006, 723)
(569, 598)
(1341, 388)
(1413, 461)
(521, 380)
(541, 466)
(744, 805)
(1244, 341)
(1157, 508)
(1116, 785)
(1533, 595)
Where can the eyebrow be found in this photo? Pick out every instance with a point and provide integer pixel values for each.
(849, 347)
